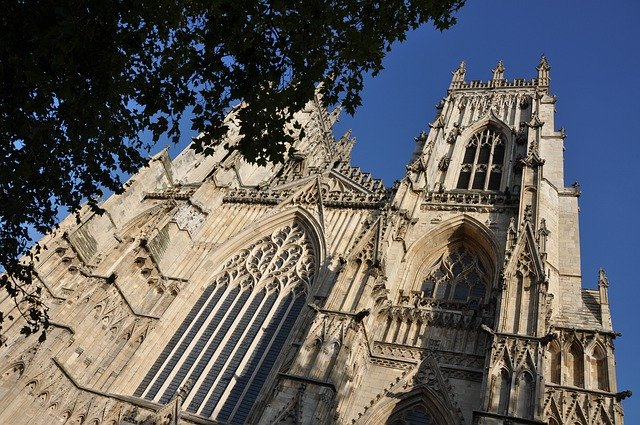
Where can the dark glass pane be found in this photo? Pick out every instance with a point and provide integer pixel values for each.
(233, 319)
(461, 292)
(494, 180)
(181, 330)
(442, 291)
(469, 155)
(427, 287)
(230, 369)
(270, 358)
(177, 355)
(485, 152)
(418, 417)
(478, 180)
(463, 181)
(457, 268)
(498, 155)
(478, 291)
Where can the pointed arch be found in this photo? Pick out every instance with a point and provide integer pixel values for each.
(460, 230)
(483, 160)
(312, 228)
(575, 364)
(422, 402)
(12, 372)
(228, 343)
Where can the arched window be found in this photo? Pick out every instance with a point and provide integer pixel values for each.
(225, 348)
(458, 276)
(575, 365)
(483, 160)
(414, 415)
(598, 372)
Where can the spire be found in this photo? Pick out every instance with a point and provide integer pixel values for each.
(458, 76)
(543, 71)
(498, 72)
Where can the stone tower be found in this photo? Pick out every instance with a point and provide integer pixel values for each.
(213, 291)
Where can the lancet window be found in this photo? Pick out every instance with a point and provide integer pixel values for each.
(221, 354)
(483, 161)
(457, 276)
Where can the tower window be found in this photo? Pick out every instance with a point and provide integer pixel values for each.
(457, 276)
(483, 161)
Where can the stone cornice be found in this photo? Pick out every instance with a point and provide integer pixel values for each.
(332, 199)
(468, 201)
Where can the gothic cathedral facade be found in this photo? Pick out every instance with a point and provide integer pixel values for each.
(213, 291)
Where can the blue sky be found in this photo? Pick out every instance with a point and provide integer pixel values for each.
(593, 50)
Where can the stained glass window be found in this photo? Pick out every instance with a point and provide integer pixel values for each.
(458, 275)
(231, 338)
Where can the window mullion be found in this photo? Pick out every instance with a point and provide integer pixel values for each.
(475, 161)
(489, 164)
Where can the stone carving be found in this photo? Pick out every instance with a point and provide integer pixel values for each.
(521, 134)
(454, 133)
(444, 162)
(189, 218)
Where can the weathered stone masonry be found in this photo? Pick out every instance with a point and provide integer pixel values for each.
(214, 291)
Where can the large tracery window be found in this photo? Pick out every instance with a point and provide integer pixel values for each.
(457, 276)
(483, 161)
(226, 346)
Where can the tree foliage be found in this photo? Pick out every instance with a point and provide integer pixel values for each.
(83, 80)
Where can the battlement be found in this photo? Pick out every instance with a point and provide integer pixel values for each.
(493, 84)
(498, 81)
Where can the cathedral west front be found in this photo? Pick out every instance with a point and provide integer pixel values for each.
(214, 291)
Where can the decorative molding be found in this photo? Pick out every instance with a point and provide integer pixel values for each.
(468, 201)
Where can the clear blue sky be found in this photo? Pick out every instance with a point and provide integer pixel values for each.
(593, 50)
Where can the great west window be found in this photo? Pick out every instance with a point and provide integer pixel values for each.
(226, 346)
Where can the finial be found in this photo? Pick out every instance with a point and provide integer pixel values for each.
(458, 75)
(543, 71)
(498, 72)
(602, 278)
(544, 63)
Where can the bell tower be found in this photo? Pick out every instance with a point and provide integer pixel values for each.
(494, 158)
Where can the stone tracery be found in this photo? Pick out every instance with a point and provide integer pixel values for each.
(242, 320)
(457, 276)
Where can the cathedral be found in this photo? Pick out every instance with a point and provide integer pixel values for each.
(215, 291)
